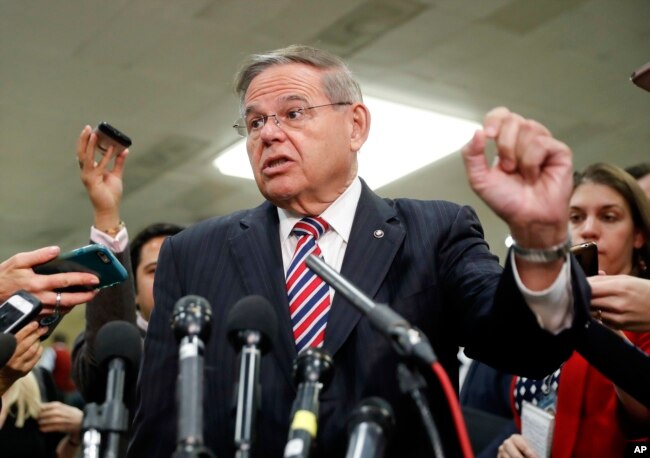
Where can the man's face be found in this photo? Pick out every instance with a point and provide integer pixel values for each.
(304, 169)
(145, 274)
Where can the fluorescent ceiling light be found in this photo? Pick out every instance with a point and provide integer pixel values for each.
(402, 139)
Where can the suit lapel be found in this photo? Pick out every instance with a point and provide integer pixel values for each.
(257, 254)
(374, 240)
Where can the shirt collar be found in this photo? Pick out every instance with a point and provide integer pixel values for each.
(339, 215)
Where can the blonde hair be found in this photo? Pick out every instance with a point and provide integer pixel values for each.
(26, 395)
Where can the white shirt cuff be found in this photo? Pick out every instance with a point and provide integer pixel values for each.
(116, 245)
(553, 307)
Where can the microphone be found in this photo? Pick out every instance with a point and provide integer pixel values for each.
(252, 327)
(312, 370)
(369, 427)
(118, 346)
(7, 348)
(191, 323)
(617, 359)
(407, 340)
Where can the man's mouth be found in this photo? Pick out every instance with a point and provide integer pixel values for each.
(275, 163)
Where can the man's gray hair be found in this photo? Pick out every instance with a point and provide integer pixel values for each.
(338, 83)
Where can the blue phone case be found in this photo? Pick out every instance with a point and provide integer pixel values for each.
(95, 259)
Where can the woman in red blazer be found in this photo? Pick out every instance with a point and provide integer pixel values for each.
(592, 415)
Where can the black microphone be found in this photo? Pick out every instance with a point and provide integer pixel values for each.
(7, 348)
(312, 371)
(191, 323)
(407, 340)
(252, 327)
(617, 359)
(118, 346)
(369, 428)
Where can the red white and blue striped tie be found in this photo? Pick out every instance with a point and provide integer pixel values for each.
(309, 295)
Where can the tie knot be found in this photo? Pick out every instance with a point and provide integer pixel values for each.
(314, 226)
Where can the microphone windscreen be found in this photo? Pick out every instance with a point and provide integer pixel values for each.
(192, 316)
(7, 348)
(119, 339)
(373, 410)
(252, 313)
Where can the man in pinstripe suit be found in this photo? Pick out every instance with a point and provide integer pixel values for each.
(304, 119)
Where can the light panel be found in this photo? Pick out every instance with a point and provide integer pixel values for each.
(402, 140)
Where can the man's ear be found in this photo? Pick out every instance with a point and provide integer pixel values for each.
(360, 126)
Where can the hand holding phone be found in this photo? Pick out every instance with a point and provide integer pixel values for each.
(108, 136)
(587, 256)
(17, 311)
(95, 259)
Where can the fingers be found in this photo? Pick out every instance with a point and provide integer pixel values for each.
(475, 161)
(33, 258)
(51, 283)
(68, 301)
(523, 145)
(56, 416)
(516, 446)
(28, 348)
(118, 166)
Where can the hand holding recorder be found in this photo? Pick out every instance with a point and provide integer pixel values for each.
(103, 183)
(28, 352)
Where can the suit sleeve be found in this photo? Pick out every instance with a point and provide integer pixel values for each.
(497, 325)
(154, 427)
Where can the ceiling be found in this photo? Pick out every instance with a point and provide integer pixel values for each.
(161, 71)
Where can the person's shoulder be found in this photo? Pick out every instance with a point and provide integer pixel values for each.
(425, 207)
(215, 227)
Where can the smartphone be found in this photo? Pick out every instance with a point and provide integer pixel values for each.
(17, 311)
(587, 256)
(95, 259)
(108, 136)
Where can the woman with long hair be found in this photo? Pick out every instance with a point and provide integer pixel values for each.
(584, 413)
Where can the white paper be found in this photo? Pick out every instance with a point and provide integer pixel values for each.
(537, 428)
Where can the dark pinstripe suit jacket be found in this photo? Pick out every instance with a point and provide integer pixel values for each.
(432, 266)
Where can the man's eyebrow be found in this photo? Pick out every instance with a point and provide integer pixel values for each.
(293, 97)
(286, 98)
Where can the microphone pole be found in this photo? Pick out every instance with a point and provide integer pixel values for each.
(118, 346)
(408, 341)
(369, 427)
(191, 323)
(312, 371)
(114, 410)
(252, 328)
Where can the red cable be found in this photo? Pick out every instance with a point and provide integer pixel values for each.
(454, 407)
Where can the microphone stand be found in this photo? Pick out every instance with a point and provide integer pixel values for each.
(190, 418)
(110, 418)
(411, 382)
(247, 401)
(410, 344)
(92, 424)
(191, 323)
(114, 412)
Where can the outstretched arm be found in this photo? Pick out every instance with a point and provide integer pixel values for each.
(528, 186)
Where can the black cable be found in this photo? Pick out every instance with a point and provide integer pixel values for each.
(411, 382)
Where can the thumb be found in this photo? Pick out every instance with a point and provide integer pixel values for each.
(476, 164)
